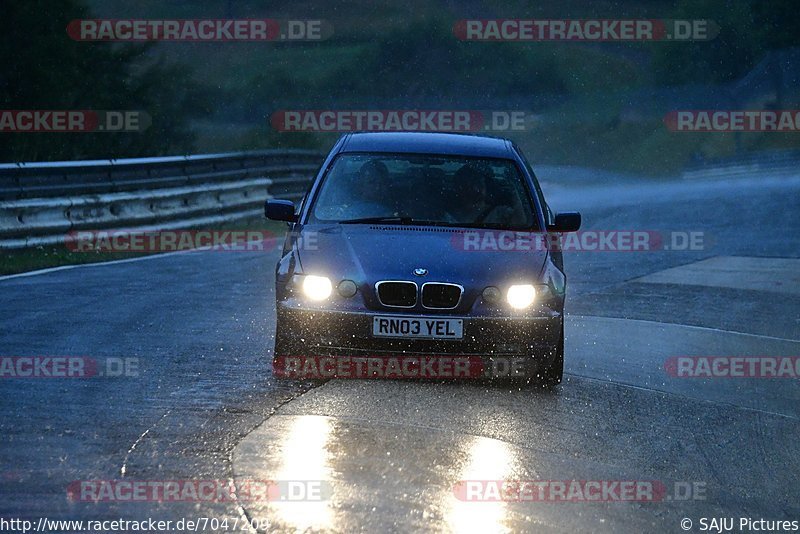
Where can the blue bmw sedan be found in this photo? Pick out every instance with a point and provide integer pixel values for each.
(421, 255)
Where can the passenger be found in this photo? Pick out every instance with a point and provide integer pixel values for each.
(373, 177)
(368, 195)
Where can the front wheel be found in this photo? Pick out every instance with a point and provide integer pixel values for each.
(552, 374)
(283, 347)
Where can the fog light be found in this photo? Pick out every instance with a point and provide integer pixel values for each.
(521, 296)
(317, 287)
(347, 288)
(491, 295)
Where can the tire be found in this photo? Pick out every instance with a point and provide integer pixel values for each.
(281, 349)
(284, 347)
(552, 374)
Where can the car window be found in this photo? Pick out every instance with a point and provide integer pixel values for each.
(446, 190)
(548, 214)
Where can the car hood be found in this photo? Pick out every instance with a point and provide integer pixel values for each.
(368, 253)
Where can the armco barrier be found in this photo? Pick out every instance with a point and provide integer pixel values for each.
(41, 202)
(773, 163)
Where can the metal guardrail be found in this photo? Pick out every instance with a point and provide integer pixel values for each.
(773, 162)
(40, 203)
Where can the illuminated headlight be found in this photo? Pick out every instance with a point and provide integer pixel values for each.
(317, 287)
(521, 296)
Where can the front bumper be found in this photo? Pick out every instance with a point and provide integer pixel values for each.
(316, 331)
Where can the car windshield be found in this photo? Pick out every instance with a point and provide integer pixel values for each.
(425, 189)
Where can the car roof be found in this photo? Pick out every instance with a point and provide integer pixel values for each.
(428, 143)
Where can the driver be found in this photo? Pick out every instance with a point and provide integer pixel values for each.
(471, 199)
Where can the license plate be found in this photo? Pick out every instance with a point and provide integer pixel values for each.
(418, 327)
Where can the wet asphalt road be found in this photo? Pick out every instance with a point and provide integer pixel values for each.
(204, 404)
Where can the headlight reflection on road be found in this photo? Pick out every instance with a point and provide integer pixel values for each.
(304, 456)
(488, 459)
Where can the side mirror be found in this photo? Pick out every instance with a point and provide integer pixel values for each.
(566, 222)
(280, 210)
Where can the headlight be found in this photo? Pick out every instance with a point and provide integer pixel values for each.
(317, 287)
(521, 296)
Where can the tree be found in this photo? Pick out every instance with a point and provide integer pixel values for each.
(42, 68)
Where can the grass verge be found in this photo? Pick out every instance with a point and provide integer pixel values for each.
(33, 259)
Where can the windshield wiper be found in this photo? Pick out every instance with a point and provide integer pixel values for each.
(369, 220)
(403, 220)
